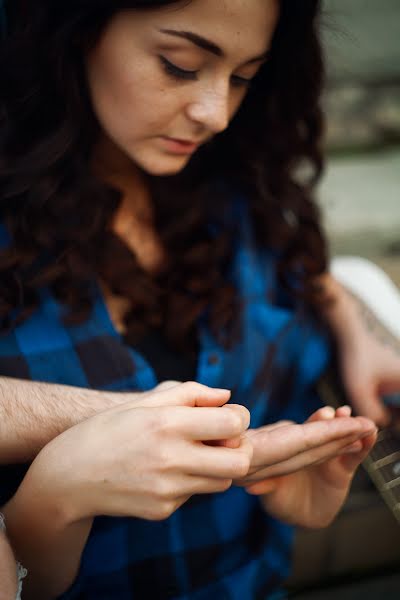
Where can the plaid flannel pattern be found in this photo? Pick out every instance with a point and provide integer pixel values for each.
(221, 546)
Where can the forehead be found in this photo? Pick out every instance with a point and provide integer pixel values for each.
(237, 26)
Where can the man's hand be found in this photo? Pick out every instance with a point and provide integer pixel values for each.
(370, 369)
(368, 353)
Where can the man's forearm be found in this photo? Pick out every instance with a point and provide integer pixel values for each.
(350, 319)
(33, 413)
(340, 310)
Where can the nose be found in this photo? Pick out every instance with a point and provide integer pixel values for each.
(210, 108)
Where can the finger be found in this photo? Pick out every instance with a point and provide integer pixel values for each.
(370, 405)
(191, 393)
(352, 448)
(317, 456)
(277, 425)
(252, 433)
(201, 485)
(343, 411)
(303, 459)
(187, 394)
(311, 458)
(215, 423)
(284, 443)
(230, 443)
(351, 461)
(299, 461)
(207, 485)
(166, 385)
(328, 412)
(192, 485)
(244, 412)
(324, 413)
(233, 442)
(219, 462)
(266, 486)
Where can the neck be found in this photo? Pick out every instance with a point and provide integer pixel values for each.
(112, 166)
(133, 220)
(109, 161)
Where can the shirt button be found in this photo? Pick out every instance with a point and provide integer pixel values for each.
(213, 359)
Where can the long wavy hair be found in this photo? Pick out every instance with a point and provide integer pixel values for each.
(58, 215)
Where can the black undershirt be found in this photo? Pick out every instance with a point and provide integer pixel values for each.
(167, 363)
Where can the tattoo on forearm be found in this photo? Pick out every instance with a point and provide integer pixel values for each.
(375, 327)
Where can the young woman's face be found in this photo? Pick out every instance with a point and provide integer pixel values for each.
(165, 81)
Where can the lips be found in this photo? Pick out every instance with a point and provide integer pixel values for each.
(185, 142)
(179, 146)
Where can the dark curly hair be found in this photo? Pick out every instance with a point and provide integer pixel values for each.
(60, 237)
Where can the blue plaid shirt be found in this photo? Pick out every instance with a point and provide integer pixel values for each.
(216, 546)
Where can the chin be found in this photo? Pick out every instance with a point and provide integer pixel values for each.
(163, 167)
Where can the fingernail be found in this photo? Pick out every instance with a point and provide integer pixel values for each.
(243, 412)
(352, 451)
(368, 433)
(327, 412)
(354, 447)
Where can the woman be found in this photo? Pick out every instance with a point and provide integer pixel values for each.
(156, 227)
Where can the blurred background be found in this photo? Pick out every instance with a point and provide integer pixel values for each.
(360, 193)
(358, 557)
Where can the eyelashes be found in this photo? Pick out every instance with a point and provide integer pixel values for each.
(177, 72)
(241, 81)
(186, 75)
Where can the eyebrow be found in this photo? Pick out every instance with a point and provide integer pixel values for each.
(206, 44)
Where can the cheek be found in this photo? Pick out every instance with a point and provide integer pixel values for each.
(236, 101)
(129, 101)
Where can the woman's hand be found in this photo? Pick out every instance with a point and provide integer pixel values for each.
(145, 459)
(286, 447)
(312, 495)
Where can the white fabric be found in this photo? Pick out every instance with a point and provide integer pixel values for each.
(21, 571)
(371, 284)
(21, 574)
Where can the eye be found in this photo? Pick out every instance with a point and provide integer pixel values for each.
(176, 72)
(240, 81)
